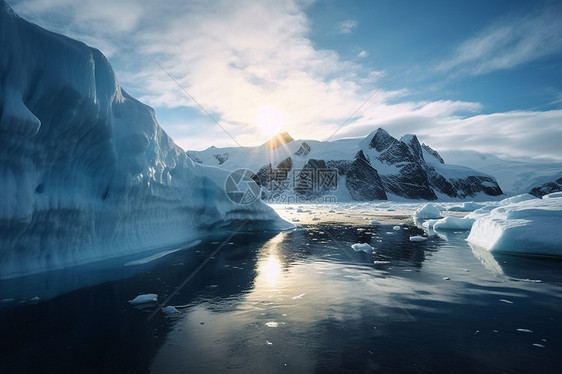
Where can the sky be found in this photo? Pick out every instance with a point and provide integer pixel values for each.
(478, 75)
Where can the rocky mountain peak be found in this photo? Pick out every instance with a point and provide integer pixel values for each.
(381, 140)
(279, 139)
(413, 143)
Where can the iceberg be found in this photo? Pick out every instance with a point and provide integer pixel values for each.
(529, 226)
(428, 211)
(86, 171)
(453, 223)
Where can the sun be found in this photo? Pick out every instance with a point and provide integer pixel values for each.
(269, 120)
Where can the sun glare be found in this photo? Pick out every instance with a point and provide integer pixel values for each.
(269, 120)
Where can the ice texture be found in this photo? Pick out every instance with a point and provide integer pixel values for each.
(427, 211)
(86, 172)
(149, 298)
(529, 226)
(364, 247)
(453, 223)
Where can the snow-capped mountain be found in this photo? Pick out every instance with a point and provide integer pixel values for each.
(515, 176)
(86, 172)
(374, 168)
(547, 188)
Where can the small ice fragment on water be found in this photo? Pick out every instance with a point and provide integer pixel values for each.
(375, 222)
(230, 243)
(381, 262)
(389, 233)
(538, 345)
(144, 299)
(446, 278)
(506, 301)
(396, 228)
(525, 330)
(170, 310)
(362, 247)
(268, 342)
(417, 238)
(272, 324)
(299, 296)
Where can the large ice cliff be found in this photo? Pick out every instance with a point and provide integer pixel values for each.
(86, 172)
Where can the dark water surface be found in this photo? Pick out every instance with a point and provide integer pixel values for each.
(295, 302)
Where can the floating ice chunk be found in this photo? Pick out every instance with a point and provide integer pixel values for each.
(506, 301)
(553, 195)
(381, 262)
(453, 223)
(170, 310)
(397, 228)
(144, 299)
(469, 206)
(375, 222)
(418, 238)
(272, 324)
(530, 226)
(362, 247)
(427, 211)
(299, 296)
(525, 330)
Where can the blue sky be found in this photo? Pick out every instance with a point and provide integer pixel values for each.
(481, 75)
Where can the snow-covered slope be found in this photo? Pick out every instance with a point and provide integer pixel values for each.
(515, 176)
(372, 168)
(86, 172)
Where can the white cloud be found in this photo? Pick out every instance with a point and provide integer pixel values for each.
(363, 54)
(347, 26)
(507, 44)
(236, 57)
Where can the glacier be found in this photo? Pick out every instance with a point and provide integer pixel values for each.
(86, 171)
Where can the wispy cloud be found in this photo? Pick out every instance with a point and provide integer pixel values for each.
(237, 57)
(347, 26)
(508, 43)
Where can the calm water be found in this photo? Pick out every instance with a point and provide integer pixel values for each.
(296, 302)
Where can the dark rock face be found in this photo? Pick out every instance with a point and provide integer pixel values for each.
(363, 181)
(382, 140)
(342, 166)
(412, 180)
(222, 157)
(316, 178)
(545, 189)
(303, 150)
(275, 180)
